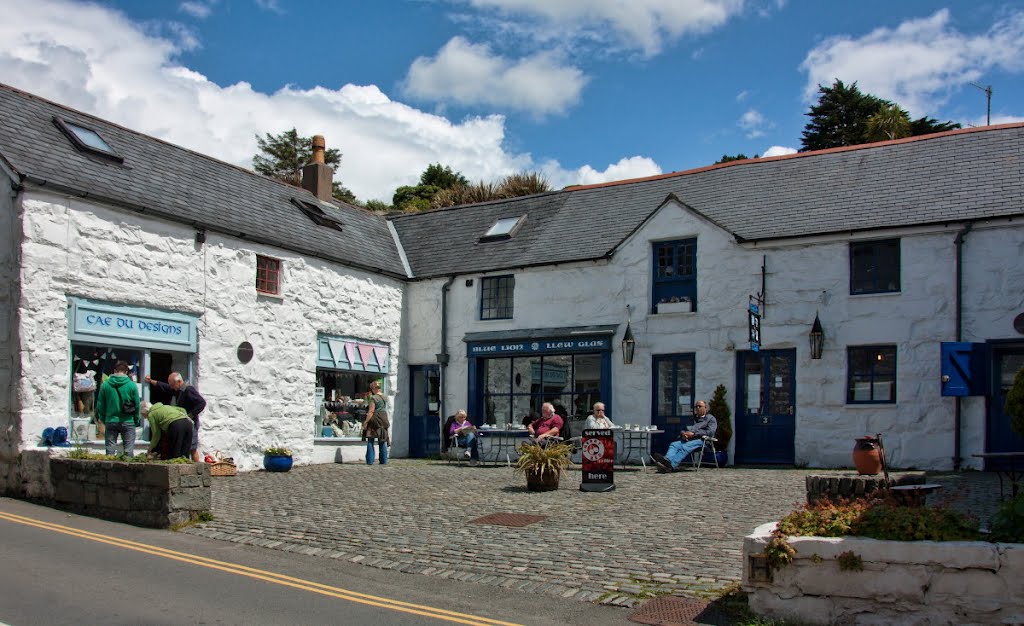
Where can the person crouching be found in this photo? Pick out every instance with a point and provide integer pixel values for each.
(170, 430)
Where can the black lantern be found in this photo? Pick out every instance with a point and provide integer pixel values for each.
(817, 338)
(628, 346)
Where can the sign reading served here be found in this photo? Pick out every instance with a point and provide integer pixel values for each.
(598, 460)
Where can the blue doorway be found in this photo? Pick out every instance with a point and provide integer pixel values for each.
(765, 406)
(424, 411)
(1006, 361)
(673, 397)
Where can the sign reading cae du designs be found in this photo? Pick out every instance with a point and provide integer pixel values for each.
(134, 326)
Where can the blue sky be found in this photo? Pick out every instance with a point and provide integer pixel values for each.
(582, 90)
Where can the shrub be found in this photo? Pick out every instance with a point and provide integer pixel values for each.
(850, 561)
(277, 451)
(1008, 523)
(720, 409)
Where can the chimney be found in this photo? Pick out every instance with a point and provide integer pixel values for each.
(317, 176)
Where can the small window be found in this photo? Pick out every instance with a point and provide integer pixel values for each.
(268, 275)
(675, 273)
(504, 228)
(871, 375)
(317, 214)
(496, 297)
(86, 139)
(875, 266)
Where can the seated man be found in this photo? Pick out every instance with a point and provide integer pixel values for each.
(466, 435)
(690, 440)
(547, 426)
(598, 419)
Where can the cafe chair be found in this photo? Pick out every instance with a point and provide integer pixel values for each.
(456, 452)
(697, 457)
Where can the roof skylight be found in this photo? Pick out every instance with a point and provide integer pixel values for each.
(86, 139)
(317, 214)
(504, 228)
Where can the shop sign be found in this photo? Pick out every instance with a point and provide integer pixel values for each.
(540, 346)
(132, 326)
(754, 317)
(346, 353)
(598, 454)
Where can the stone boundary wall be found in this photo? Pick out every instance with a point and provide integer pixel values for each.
(157, 495)
(903, 582)
(853, 485)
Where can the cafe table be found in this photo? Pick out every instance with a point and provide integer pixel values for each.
(635, 442)
(1006, 464)
(501, 440)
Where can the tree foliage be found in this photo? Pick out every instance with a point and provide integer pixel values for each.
(720, 409)
(844, 116)
(512, 186)
(726, 158)
(282, 157)
(442, 177)
(435, 179)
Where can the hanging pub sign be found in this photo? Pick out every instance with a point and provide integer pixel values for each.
(754, 315)
(598, 460)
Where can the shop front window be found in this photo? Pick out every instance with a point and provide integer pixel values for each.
(345, 401)
(514, 387)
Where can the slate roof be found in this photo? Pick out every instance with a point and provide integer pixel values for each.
(948, 177)
(161, 179)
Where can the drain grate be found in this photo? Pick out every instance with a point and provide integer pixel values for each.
(517, 520)
(675, 611)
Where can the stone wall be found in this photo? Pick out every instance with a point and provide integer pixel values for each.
(157, 495)
(902, 582)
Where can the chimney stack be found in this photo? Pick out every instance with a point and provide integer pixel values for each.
(317, 177)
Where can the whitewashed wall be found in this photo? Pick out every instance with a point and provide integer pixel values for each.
(9, 426)
(77, 248)
(802, 279)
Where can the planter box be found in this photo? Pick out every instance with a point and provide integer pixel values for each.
(157, 495)
(903, 582)
(675, 307)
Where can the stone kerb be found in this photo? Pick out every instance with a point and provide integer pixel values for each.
(157, 495)
(853, 485)
(904, 582)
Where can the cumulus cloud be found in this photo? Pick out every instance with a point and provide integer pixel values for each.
(753, 123)
(199, 10)
(919, 62)
(471, 74)
(96, 60)
(778, 151)
(625, 168)
(639, 24)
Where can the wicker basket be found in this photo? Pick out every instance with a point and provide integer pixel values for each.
(223, 469)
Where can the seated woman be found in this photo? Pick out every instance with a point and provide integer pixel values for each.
(598, 419)
(170, 430)
(465, 434)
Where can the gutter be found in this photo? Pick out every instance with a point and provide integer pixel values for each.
(958, 241)
(443, 357)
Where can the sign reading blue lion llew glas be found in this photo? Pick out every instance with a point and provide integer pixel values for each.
(135, 326)
(589, 344)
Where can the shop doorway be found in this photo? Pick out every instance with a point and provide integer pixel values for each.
(765, 406)
(1006, 361)
(424, 411)
(673, 397)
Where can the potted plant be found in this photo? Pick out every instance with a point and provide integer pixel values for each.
(277, 459)
(543, 465)
(720, 409)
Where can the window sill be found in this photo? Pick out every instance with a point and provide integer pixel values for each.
(674, 312)
(876, 293)
(334, 441)
(870, 405)
(270, 296)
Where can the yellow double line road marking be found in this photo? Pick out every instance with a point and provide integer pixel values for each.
(258, 574)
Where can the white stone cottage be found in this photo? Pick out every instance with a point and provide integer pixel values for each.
(275, 300)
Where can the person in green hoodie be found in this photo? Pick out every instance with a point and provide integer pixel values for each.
(117, 405)
(170, 430)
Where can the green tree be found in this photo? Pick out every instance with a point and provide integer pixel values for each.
(889, 122)
(414, 197)
(839, 118)
(282, 157)
(512, 186)
(928, 125)
(720, 409)
(379, 207)
(442, 177)
(730, 158)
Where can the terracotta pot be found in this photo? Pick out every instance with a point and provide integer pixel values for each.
(538, 482)
(867, 456)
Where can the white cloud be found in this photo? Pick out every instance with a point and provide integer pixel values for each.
(741, 96)
(199, 10)
(270, 5)
(778, 151)
(470, 74)
(753, 123)
(625, 168)
(96, 60)
(642, 24)
(918, 63)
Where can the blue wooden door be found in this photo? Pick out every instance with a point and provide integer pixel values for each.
(424, 403)
(1006, 361)
(673, 400)
(765, 406)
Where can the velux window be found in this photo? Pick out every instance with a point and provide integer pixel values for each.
(504, 228)
(268, 275)
(318, 214)
(86, 139)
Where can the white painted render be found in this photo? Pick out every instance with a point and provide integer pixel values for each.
(78, 248)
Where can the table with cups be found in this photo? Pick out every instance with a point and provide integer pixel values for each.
(504, 439)
(634, 440)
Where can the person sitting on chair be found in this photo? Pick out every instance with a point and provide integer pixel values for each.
(690, 440)
(465, 434)
(547, 426)
(598, 419)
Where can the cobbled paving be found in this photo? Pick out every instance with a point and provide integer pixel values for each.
(655, 534)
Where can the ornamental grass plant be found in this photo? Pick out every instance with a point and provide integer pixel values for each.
(542, 460)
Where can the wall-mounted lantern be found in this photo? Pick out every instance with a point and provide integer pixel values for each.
(817, 336)
(628, 342)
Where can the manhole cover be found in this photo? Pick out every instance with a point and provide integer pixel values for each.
(675, 611)
(509, 519)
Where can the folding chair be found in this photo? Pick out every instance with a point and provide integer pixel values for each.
(698, 455)
(456, 452)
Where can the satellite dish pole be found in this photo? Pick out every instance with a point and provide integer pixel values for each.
(988, 97)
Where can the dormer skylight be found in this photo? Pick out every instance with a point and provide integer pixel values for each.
(316, 213)
(86, 139)
(504, 228)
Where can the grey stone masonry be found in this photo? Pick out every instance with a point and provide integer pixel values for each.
(158, 495)
(853, 485)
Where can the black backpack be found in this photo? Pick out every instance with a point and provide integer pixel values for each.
(128, 406)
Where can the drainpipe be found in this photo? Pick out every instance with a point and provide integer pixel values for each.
(442, 357)
(959, 243)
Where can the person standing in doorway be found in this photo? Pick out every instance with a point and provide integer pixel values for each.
(118, 406)
(376, 427)
(187, 397)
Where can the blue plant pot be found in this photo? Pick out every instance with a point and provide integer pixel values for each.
(277, 463)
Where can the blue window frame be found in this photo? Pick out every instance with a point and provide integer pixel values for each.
(496, 297)
(871, 375)
(875, 266)
(674, 272)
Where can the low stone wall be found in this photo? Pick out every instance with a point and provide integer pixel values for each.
(157, 495)
(853, 485)
(902, 582)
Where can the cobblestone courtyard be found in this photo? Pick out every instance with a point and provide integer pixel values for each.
(656, 533)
